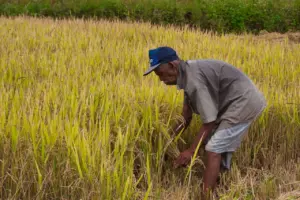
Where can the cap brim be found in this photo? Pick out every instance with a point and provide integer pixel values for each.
(150, 69)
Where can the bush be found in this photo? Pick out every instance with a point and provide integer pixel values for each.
(217, 15)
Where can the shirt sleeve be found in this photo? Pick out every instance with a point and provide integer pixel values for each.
(204, 104)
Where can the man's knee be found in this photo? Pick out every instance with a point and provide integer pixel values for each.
(212, 155)
(212, 159)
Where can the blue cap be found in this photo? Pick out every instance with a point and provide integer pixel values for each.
(160, 56)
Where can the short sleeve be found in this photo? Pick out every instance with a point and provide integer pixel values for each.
(204, 104)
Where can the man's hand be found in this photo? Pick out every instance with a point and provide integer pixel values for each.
(184, 158)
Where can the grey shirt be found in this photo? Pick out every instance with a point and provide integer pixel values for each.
(220, 92)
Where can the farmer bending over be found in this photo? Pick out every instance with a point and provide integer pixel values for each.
(224, 97)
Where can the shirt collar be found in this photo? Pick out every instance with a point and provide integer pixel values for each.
(181, 75)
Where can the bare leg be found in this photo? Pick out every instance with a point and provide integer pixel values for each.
(213, 161)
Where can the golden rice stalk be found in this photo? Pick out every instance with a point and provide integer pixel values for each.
(171, 147)
(294, 195)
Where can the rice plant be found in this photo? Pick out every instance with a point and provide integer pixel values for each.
(79, 121)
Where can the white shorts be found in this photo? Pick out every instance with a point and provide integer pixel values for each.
(226, 141)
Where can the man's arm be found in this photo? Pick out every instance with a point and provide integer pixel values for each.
(205, 130)
(185, 157)
(187, 114)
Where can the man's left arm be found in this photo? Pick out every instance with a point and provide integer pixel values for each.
(185, 157)
(205, 130)
(205, 105)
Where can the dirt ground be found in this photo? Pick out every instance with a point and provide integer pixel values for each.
(293, 37)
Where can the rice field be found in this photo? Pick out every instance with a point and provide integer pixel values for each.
(79, 121)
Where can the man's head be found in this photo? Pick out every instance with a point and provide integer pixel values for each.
(164, 62)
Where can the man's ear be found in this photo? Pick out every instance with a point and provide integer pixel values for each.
(173, 66)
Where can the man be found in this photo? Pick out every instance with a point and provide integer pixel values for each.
(224, 97)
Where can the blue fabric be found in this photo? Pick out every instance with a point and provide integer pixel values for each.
(162, 55)
(153, 55)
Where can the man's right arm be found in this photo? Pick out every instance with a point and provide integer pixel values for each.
(187, 115)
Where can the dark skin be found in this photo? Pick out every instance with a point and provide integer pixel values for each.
(168, 73)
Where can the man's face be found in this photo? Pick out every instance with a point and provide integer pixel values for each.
(167, 73)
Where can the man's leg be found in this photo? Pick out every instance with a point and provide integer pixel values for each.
(224, 142)
(213, 161)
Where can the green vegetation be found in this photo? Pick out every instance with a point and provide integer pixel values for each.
(217, 15)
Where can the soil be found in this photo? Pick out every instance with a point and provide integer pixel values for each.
(293, 37)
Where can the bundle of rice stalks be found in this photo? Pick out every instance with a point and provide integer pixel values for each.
(171, 147)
